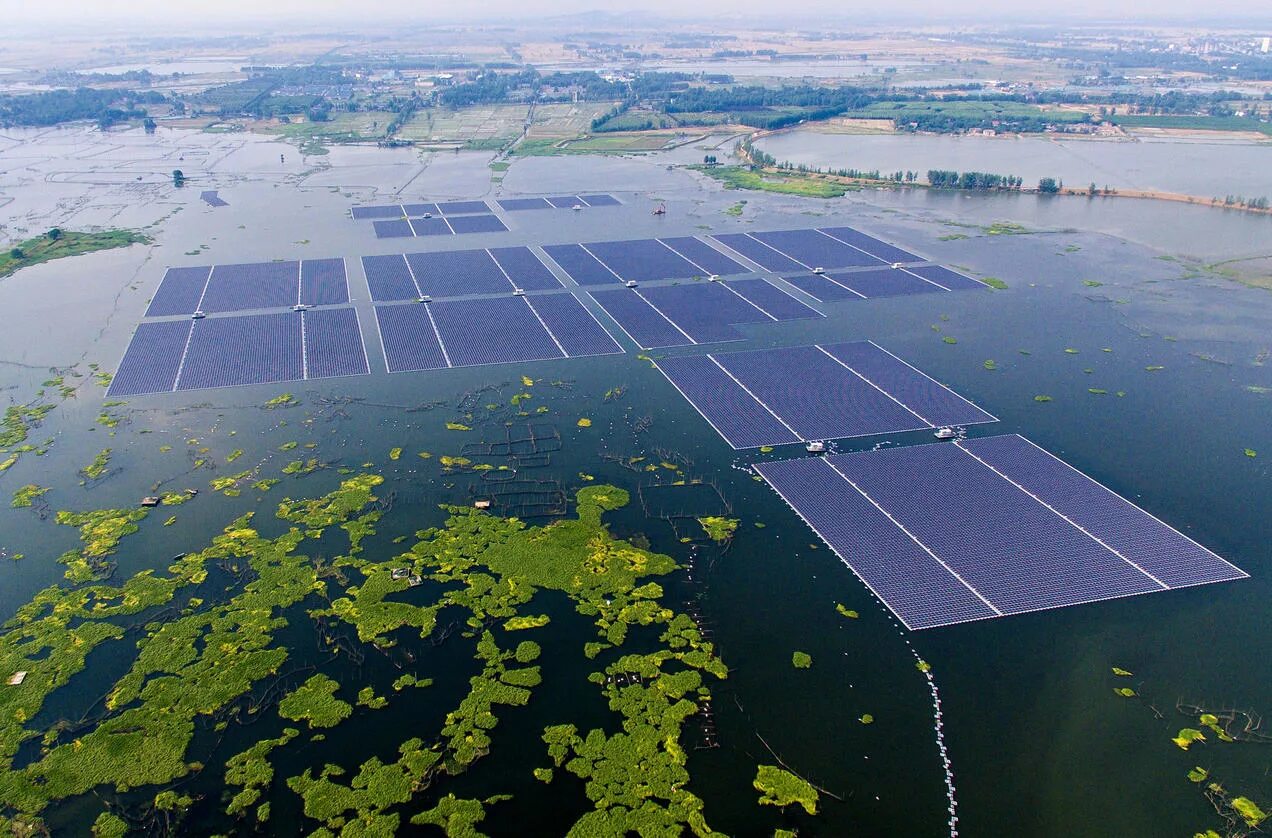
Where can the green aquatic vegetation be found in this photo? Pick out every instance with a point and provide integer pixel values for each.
(531, 622)
(265, 484)
(1006, 228)
(543, 775)
(991, 365)
(171, 519)
(1154, 368)
(801, 660)
(949, 340)
(251, 770)
(844, 611)
(1250, 452)
(1198, 775)
(781, 788)
(315, 702)
(1122, 673)
(1187, 736)
(234, 455)
(719, 529)
(368, 698)
(922, 665)
(97, 468)
(100, 533)
(994, 282)
(1125, 692)
(457, 818)
(1097, 391)
(27, 495)
(1254, 388)
(866, 719)
(7, 463)
(584, 423)
(457, 426)
(282, 400)
(1070, 351)
(520, 397)
(18, 421)
(1248, 810)
(950, 237)
(303, 467)
(395, 453)
(1041, 398)
(1091, 283)
(288, 446)
(108, 419)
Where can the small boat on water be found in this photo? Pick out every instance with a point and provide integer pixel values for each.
(815, 447)
(945, 433)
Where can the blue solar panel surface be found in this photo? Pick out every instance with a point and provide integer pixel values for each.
(152, 359)
(759, 253)
(887, 252)
(816, 395)
(333, 343)
(821, 288)
(740, 419)
(410, 343)
(389, 278)
(931, 401)
(772, 299)
(455, 273)
(323, 282)
(252, 286)
(704, 310)
(817, 250)
(1011, 548)
(251, 349)
(580, 265)
(386, 211)
(427, 227)
(947, 278)
(704, 256)
(601, 200)
(517, 204)
(395, 229)
(476, 224)
(886, 282)
(492, 331)
(639, 320)
(525, 268)
(179, 292)
(913, 584)
(462, 207)
(564, 201)
(1154, 546)
(643, 259)
(420, 209)
(572, 325)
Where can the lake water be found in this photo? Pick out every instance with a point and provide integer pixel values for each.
(1040, 744)
(1207, 168)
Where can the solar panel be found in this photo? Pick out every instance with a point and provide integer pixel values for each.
(759, 253)
(822, 288)
(816, 395)
(252, 286)
(736, 416)
(525, 269)
(455, 273)
(706, 258)
(420, 209)
(409, 340)
(773, 300)
(384, 211)
(643, 259)
(934, 403)
(152, 360)
(887, 252)
(644, 325)
(601, 200)
(1152, 545)
(323, 282)
(429, 227)
(1018, 554)
(947, 278)
(212, 199)
(477, 224)
(564, 201)
(179, 292)
(914, 585)
(395, 229)
(572, 325)
(250, 349)
(462, 207)
(518, 204)
(333, 343)
(492, 331)
(885, 282)
(580, 265)
(706, 311)
(817, 250)
(389, 278)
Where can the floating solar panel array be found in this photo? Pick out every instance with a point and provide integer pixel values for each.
(465, 333)
(698, 312)
(399, 228)
(258, 285)
(605, 263)
(419, 210)
(244, 349)
(559, 202)
(212, 199)
(985, 528)
(805, 393)
(828, 247)
(456, 273)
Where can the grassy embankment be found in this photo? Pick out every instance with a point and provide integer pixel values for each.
(47, 247)
(795, 183)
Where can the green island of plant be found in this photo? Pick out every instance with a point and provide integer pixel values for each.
(719, 529)
(59, 244)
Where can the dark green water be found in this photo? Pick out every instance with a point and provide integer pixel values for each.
(1040, 744)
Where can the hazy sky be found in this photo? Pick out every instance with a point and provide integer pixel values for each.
(371, 11)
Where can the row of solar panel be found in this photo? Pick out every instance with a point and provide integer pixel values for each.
(172, 355)
(401, 228)
(456, 273)
(257, 285)
(559, 202)
(421, 209)
(984, 528)
(463, 333)
(803, 393)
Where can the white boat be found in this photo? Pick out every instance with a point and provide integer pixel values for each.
(819, 271)
(714, 278)
(577, 207)
(425, 299)
(198, 315)
(945, 433)
(815, 447)
(631, 283)
(896, 265)
(300, 307)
